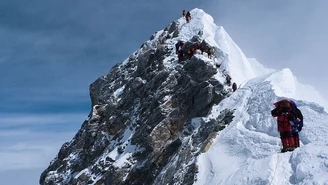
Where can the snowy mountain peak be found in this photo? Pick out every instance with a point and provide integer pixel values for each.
(234, 62)
(166, 115)
(285, 84)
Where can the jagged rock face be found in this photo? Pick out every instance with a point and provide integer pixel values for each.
(142, 127)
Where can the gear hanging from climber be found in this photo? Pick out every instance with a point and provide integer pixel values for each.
(297, 124)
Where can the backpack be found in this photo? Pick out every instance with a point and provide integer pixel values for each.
(298, 114)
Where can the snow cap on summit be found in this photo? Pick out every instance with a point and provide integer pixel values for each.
(285, 84)
(235, 62)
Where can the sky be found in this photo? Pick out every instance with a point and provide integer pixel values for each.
(51, 51)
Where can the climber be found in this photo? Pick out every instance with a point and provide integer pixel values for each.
(210, 53)
(178, 45)
(201, 47)
(283, 112)
(228, 79)
(183, 13)
(188, 17)
(194, 48)
(234, 87)
(297, 124)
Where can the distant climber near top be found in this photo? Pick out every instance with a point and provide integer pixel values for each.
(188, 17)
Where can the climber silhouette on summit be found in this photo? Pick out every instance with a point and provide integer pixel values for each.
(188, 17)
(183, 13)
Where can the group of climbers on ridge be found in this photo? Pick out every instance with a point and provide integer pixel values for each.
(203, 47)
(189, 50)
(290, 122)
(186, 15)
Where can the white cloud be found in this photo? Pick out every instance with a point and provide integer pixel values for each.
(28, 142)
(31, 140)
(35, 152)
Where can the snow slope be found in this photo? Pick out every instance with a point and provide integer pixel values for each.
(247, 151)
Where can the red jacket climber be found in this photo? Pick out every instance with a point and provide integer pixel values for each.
(188, 16)
(284, 114)
(234, 87)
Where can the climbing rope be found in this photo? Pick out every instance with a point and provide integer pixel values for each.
(274, 173)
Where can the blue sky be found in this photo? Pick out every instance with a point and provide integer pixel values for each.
(51, 51)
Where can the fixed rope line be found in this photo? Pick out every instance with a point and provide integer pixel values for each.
(275, 170)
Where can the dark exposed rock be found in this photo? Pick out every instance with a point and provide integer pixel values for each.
(172, 27)
(199, 70)
(140, 127)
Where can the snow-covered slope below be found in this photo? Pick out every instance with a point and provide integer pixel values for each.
(247, 151)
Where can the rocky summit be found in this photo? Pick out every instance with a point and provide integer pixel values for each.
(145, 125)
